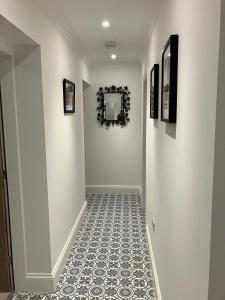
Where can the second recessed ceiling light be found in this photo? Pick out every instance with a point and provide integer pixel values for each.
(105, 24)
(113, 56)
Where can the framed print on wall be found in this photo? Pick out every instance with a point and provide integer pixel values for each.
(68, 96)
(154, 92)
(169, 80)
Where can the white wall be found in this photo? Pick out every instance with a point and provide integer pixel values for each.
(180, 157)
(28, 85)
(21, 88)
(61, 144)
(13, 168)
(113, 156)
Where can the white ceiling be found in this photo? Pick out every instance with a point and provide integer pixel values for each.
(80, 21)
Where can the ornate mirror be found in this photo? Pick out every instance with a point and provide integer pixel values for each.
(114, 105)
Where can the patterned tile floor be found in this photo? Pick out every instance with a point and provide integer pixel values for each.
(110, 257)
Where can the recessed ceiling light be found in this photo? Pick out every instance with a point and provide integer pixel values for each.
(113, 56)
(105, 24)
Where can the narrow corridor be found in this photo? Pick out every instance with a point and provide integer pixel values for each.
(112, 143)
(110, 257)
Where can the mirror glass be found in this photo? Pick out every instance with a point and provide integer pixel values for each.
(112, 106)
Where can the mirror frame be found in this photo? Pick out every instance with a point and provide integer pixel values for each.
(123, 117)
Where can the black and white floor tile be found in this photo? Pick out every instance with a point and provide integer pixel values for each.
(110, 257)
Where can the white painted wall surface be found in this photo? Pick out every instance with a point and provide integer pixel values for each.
(13, 168)
(63, 144)
(28, 86)
(21, 89)
(113, 156)
(180, 157)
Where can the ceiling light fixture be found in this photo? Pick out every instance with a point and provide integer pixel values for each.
(105, 24)
(113, 56)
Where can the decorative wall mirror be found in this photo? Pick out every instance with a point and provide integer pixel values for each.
(114, 105)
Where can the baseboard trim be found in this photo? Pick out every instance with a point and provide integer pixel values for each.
(59, 266)
(39, 282)
(113, 189)
(47, 282)
(159, 297)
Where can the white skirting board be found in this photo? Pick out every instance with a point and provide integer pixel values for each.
(159, 297)
(46, 282)
(136, 189)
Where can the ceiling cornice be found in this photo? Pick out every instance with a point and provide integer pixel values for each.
(64, 27)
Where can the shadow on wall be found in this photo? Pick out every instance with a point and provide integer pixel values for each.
(171, 130)
(156, 123)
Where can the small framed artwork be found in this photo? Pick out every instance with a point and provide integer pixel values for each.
(69, 96)
(154, 92)
(169, 80)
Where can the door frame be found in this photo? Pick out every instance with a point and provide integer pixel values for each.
(6, 200)
(144, 119)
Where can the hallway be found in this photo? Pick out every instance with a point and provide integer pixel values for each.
(110, 256)
(112, 140)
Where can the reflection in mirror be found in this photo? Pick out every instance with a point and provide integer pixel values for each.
(112, 106)
(110, 111)
(166, 83)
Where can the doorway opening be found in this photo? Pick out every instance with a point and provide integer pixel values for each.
(6, 261)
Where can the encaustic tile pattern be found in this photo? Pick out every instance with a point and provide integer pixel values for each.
(110, 258)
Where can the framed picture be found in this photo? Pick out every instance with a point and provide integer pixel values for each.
(169, 80)
(69, 96)
(154, 92)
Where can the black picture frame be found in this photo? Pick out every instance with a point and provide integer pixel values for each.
(154, 92)
(169, 80)
(68, 96)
